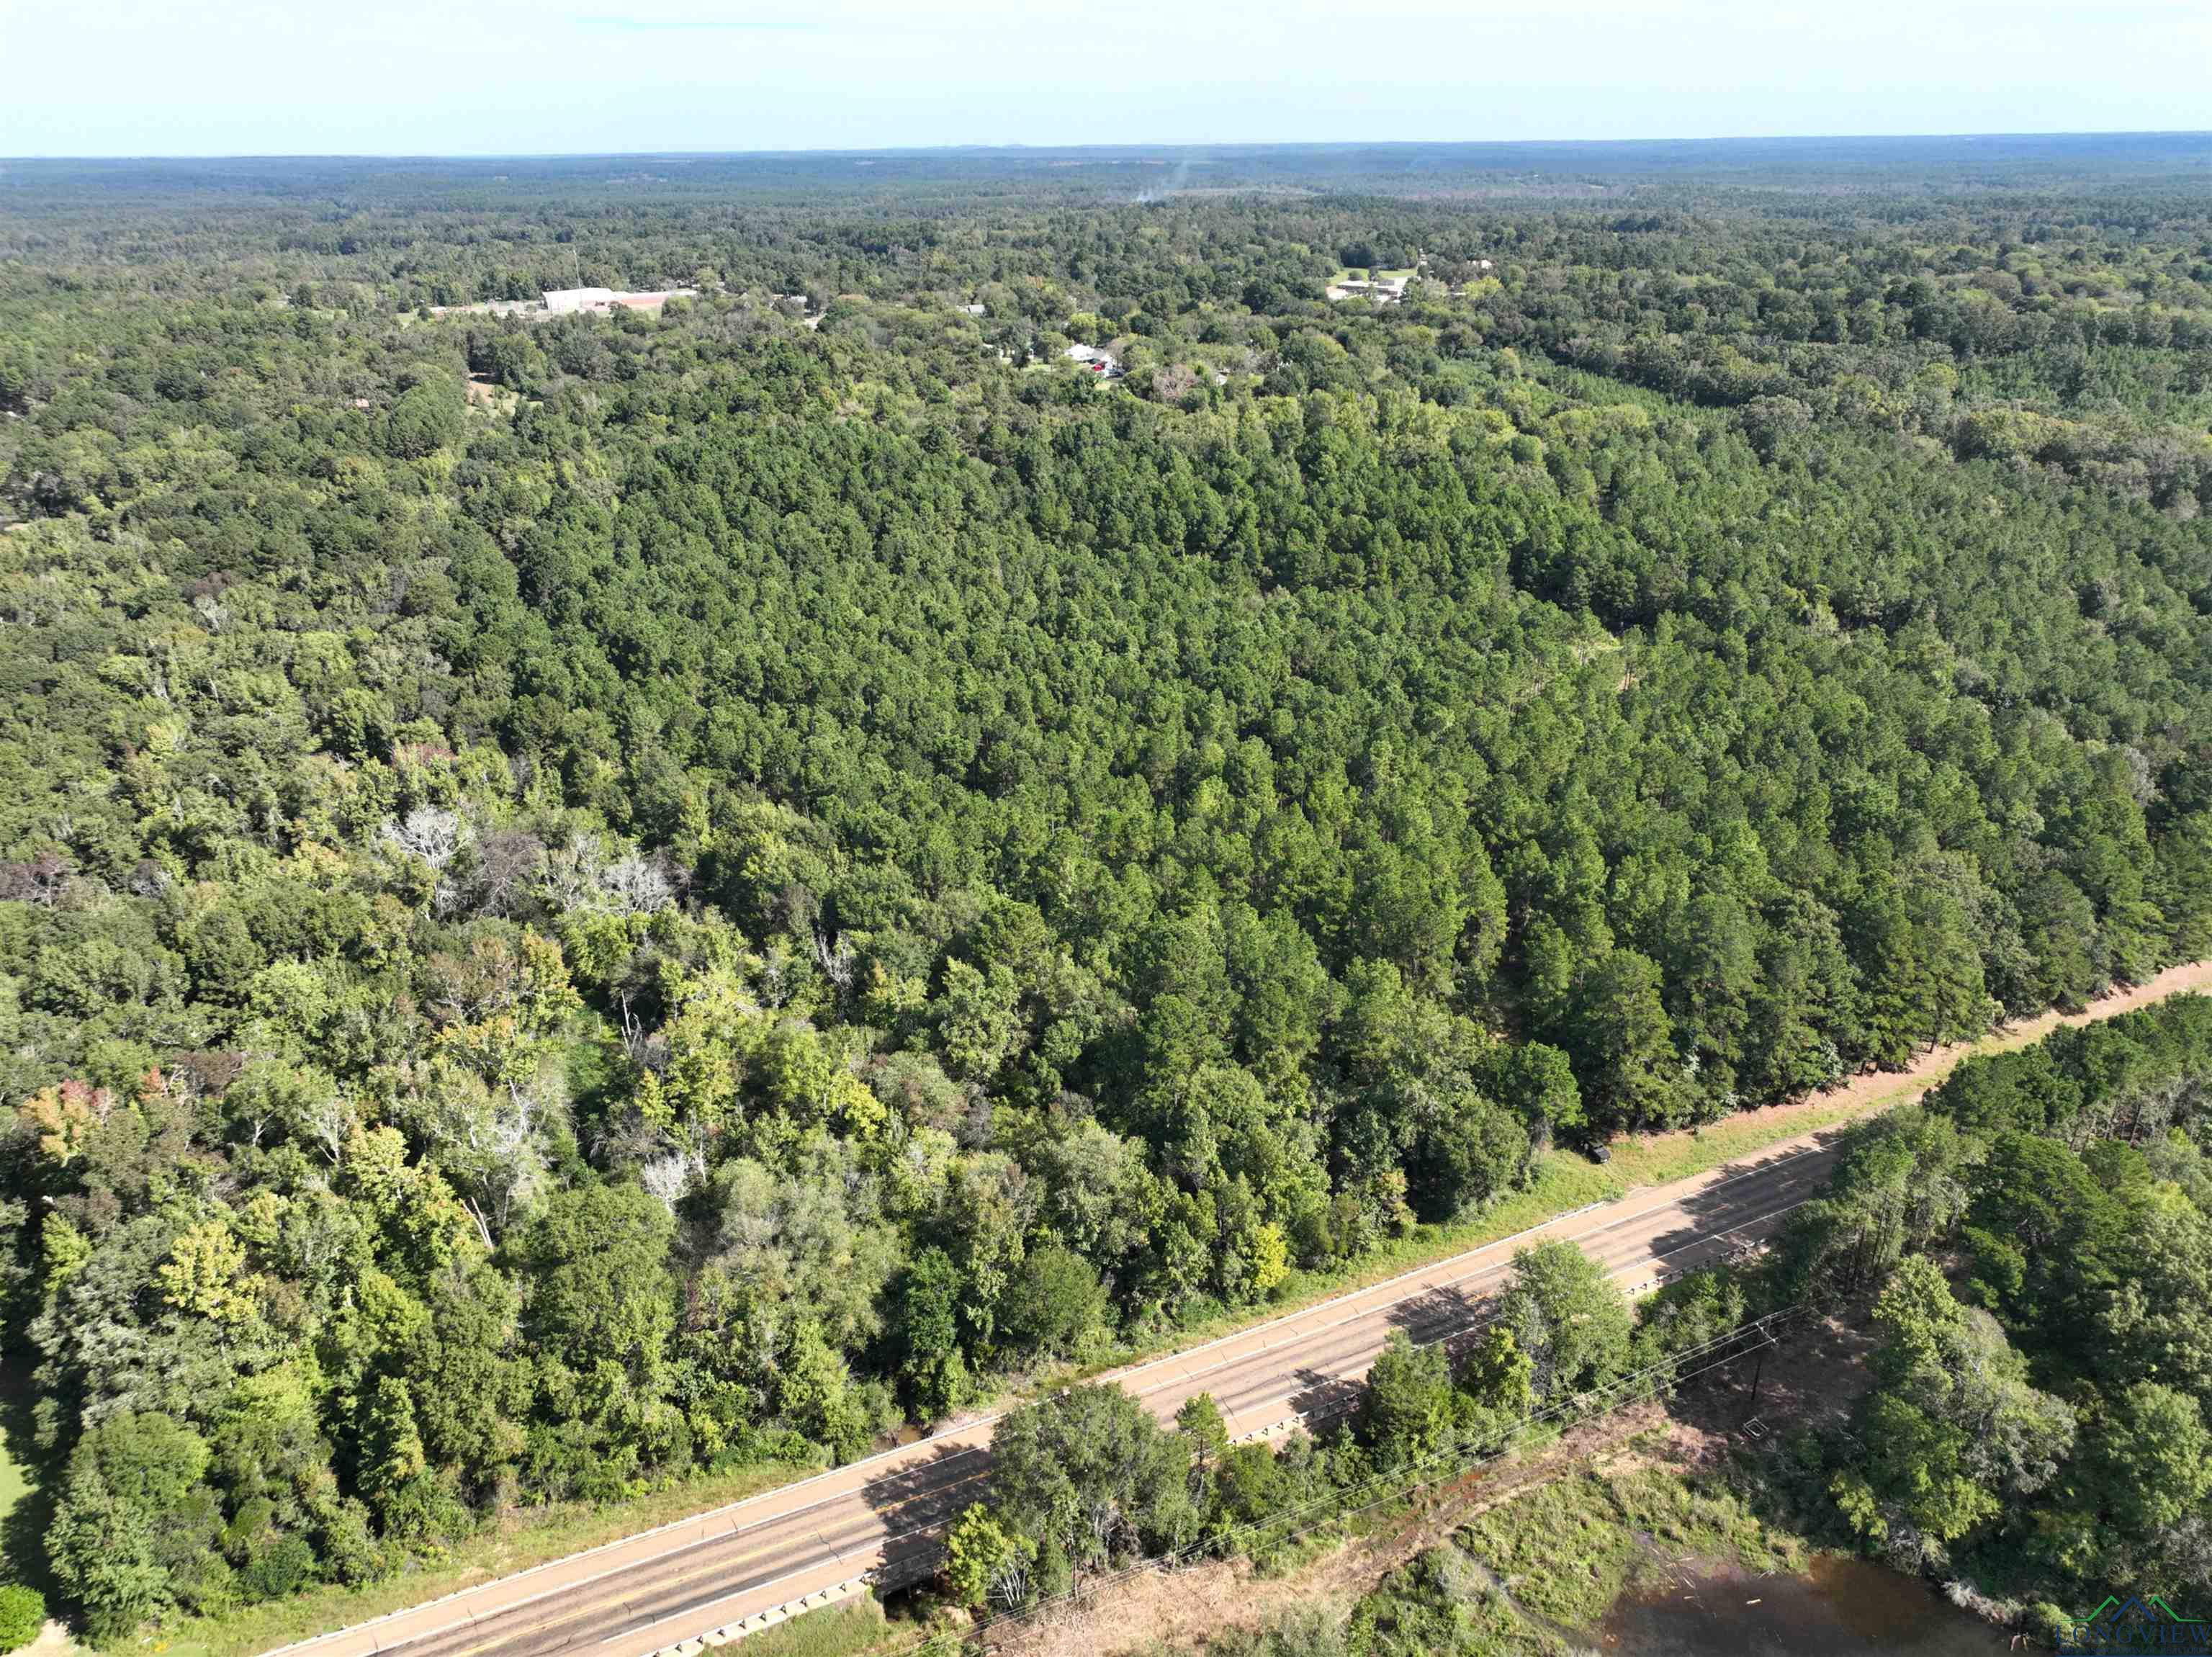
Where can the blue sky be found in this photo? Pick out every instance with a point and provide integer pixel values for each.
(501, 77)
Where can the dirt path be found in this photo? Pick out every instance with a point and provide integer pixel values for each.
(1876, 1089)
(1180, 1610)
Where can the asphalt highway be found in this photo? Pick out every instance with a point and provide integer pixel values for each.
(881, 1515)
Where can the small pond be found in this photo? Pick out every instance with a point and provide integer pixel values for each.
(1845, 1608)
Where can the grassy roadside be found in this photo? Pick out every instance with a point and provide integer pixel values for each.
(858, 1628)
(532, 1537)
(1565, 1180)
(845, 1630)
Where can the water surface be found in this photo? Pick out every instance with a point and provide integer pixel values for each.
(1844, 1608)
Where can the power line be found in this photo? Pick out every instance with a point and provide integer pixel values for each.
(1754, 1334)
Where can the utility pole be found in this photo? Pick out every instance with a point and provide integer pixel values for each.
(1759, 1368)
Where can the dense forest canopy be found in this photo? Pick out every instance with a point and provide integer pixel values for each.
(584, 895)
(2042, 1421)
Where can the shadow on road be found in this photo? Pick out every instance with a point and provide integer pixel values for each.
(1721, 1219)
(1439, 1313)
(916, 1502)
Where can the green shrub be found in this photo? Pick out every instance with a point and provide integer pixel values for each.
(22, 1614)
(285, 1566)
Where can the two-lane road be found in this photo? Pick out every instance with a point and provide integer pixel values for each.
(676, 1583)
(634, 1596)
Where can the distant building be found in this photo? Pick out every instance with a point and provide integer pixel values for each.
(975, 310)
(656, 300)
(1098, 361)
(579, 299)
(571, 300)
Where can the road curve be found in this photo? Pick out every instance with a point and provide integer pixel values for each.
(880, 1514)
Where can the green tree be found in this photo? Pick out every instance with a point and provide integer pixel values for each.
(1407, 1410)
(425, 418)
(985, 1565)
(134, 1523)
(933, 1367)
(1056, 1301)
(597, 1258)
(1499, 1380)
(1568, 1318)
(1622, 1046)
(1206, 1437)
(814, 1391)
(392, 1454)
(2151, 1457)
(1089, 1475)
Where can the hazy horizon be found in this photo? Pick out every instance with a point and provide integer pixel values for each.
(140, 79)
(1134, 148)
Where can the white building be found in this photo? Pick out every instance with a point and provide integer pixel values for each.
(579, 299)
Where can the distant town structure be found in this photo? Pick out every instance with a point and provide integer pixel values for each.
(579, 299)
(1390, 290)
(568, 301)
(559, 301)
(976, 310)
(1101, 363)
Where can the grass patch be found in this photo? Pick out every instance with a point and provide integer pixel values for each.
(530, 1538)
(15, 1483)
(1661, 1159)
(1533, 1575)
(849, 1630)
(1567, 1549)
